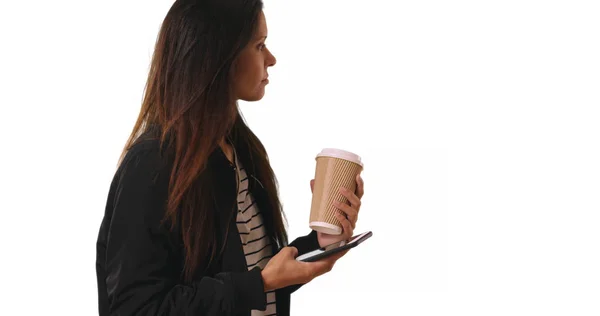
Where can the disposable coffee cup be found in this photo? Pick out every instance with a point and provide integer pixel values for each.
(335, 169)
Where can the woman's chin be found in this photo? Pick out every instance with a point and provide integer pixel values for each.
(255, 96)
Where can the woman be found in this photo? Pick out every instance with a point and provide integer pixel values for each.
(193, 224)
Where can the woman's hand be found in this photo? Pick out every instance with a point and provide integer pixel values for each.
(350, 210)
(284, 270)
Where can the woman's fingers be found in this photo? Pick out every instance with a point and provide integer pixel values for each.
(352, 198)
(347, 229)
(351, 213)
(360, 187)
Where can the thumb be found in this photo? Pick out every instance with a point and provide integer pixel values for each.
(291, 252)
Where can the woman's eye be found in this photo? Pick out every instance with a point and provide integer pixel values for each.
(262, 46)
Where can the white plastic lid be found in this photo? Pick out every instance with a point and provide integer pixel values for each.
(342, 154)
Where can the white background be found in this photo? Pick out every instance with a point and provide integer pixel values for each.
(477, 121)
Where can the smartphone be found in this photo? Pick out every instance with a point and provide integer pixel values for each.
(334, 248)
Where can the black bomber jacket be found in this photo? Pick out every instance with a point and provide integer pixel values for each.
(139, 261)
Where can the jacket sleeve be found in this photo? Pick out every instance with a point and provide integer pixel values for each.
(142, 266)
(306, 243)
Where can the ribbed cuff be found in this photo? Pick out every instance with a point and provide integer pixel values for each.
(250, 289)
(306, 243)
(313, 240)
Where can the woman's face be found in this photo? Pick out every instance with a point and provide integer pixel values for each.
(250, 74)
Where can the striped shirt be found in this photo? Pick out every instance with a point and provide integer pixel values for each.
(256, 243)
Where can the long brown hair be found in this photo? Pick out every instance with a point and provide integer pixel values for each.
(188, 96)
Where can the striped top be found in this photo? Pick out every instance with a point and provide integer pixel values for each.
(256, 244)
